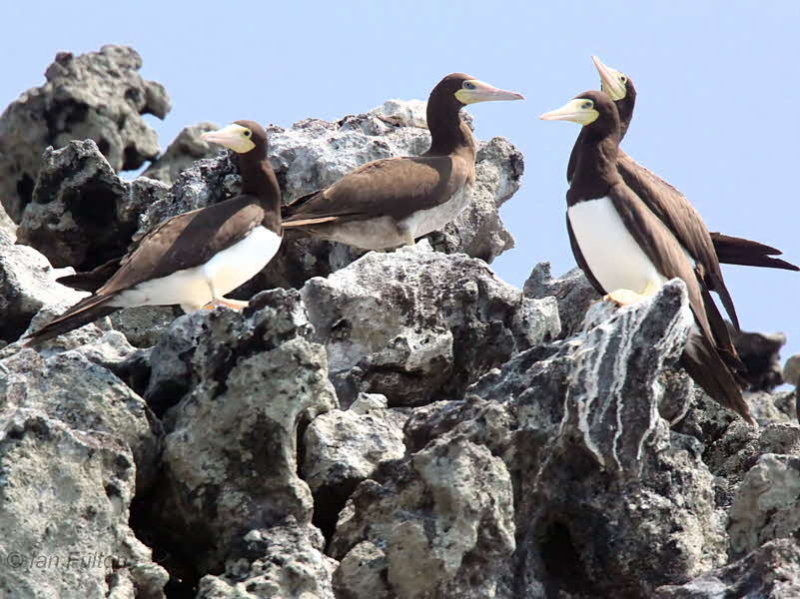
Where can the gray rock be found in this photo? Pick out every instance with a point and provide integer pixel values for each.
(791, 370)
(143, 326)
(343, 447)
(770, 572)
(8, 228)
(760, 353)
(230, 458)
(767, 503)
(82, 214)
(27, 283)
(573, 292)
(182, 153)
(282, 561)
(608, 502)
(418, 326)
(66, 496)
(98, 96)
(79, 388)
(438, 524)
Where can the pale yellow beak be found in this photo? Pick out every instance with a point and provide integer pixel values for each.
(234, 137)
(483, 92)
(610, 80)
(571, 111)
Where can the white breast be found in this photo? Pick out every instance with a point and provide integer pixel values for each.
(423, 222)
(613, 256)
(226, 270)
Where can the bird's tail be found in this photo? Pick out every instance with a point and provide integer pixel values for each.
(704, 364)
(93, 279)
(85, 311)
(736, 250)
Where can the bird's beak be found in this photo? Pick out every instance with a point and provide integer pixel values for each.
(232, 137)
(483, 92)
(610, 80)
(226, 136)
(571, 111)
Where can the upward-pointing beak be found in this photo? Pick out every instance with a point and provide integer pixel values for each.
(609, 79)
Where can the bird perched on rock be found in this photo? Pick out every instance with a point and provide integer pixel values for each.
(391, 202)
(671, 206)
(194, 259)
(628, 252)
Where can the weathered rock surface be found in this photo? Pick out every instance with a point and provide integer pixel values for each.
(230, 455)
(283, 561)
(485, 441)
(417, 326)
(27, 283)
(65, 497)
(770, 572)
(760, 353)
(438, 524)
(572, 291)
(98, 96)
(182, 153)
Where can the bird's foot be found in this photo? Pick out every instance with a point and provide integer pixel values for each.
(228, 303)
(624, 297)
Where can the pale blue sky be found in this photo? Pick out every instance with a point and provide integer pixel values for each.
(717, 111)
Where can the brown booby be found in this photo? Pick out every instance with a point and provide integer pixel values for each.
(627, 251)
(671, 206)
(194, 259)
(391, 202)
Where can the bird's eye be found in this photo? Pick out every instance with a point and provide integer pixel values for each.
(623, 78)
(586, 105)
(248, 133)
(469, 85)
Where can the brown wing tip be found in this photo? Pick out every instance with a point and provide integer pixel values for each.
(302, 222)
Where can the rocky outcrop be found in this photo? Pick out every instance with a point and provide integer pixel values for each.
(98, 96)
(417, 326)
(401, 424)
(182, 153)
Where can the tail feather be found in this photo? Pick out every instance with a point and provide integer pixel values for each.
(85, 311)
(304, 222)
(290, 210)
(93, 279)
(707, 369)
(737, 250)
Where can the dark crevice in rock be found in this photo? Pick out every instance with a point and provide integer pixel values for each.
(25, 185)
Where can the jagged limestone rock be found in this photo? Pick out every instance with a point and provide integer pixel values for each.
(766, 503)
(185, 149)
(573, 292)
(27, 283)
(770, 572)
(98, 96)
(607, 500)
(78, 388)
(82, 214)
(417, 325)
(343, 447)
(439, 524)
(230, 455)
(65, 497)
(282, 561)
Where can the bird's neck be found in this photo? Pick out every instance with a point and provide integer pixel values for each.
(449, 133)
(595, 166)
(259, 181)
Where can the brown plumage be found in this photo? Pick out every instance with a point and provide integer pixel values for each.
(182, 243)
(390, 202)
(672, 207)
(709, 356)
